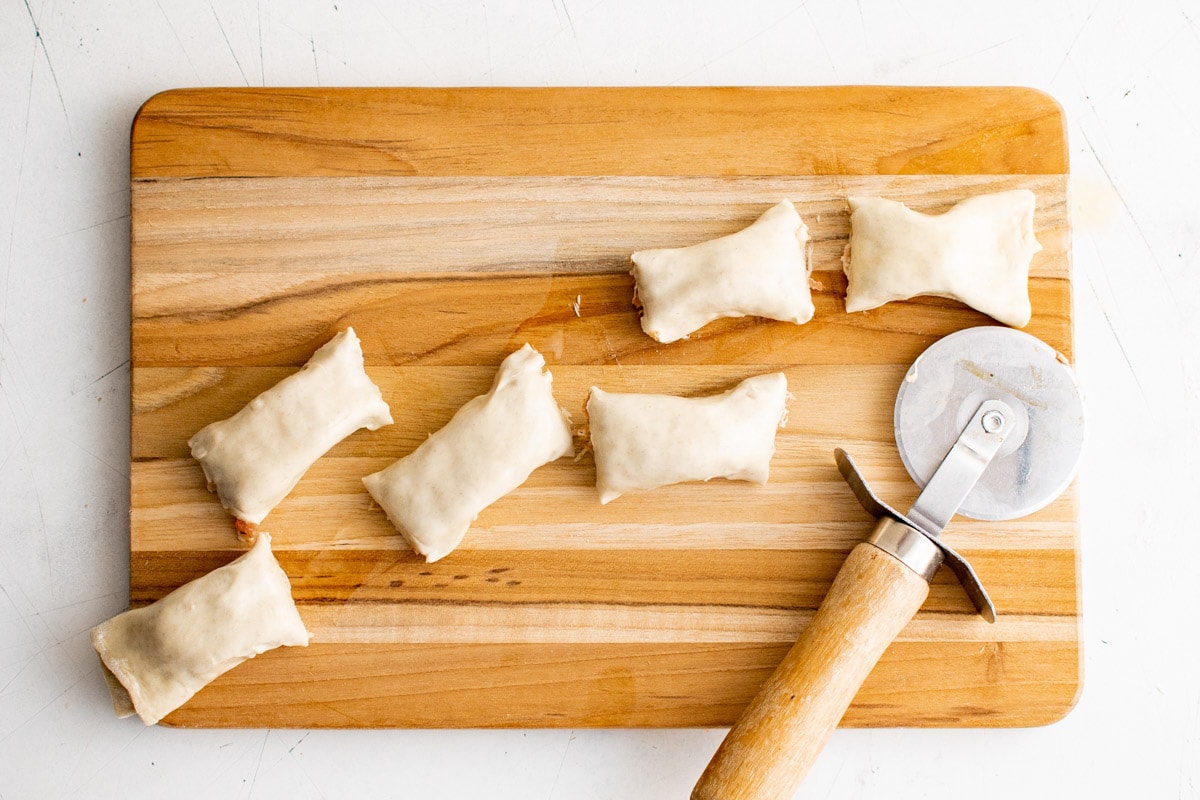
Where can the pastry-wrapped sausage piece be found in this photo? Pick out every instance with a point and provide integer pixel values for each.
(761, 271)
(254, 458)
(155, 658)
(643, 441)
(977, 253)
(487, 449)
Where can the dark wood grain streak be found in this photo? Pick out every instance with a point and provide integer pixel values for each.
(1021, 583)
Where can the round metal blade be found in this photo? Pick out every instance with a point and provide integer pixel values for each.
(946, 385)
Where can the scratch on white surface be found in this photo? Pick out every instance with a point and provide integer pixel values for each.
(178, 41)
(12, 231)
(29, 604)
(101, 770)
(25, 666)
(21, 366)
(1191, 24)
(487, 40)
(54, 642)
(1113, 330)
(32, 638)
(122, 472)
(19, 672)
(37, 495)
(75, 603)
(92, 383)
(1067, 55)
(231, 765)
(37, 33)
(312, 42)
(11, 450)
(570, 22)
(258, 765)
(224, 36)
(408, 45)
(300, 764)
(1170, 296)
(300, 742)
(561, 763)
(70, 781)
(820, 39)
(766, 29)
(974, 53)
(37, 499)
(51, 702)
(262, 64)
(833, 784)
(287, 754)
(1189, 746)
(93, 225)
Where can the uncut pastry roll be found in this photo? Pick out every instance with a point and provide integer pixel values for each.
(487, 449)
(254, 458)
(643, 441)
(155, 658)
(760, 271)
(978, 253)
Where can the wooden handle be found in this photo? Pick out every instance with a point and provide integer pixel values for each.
(781, 732)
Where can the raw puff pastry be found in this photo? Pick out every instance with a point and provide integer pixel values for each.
(760, 271)
(486, 450)
(155, 658)
(977, 252)
(643, 441)
(258, 455)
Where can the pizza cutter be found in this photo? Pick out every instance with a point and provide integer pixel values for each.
(989, 422)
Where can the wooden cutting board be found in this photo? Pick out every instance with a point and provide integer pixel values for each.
(449, 227)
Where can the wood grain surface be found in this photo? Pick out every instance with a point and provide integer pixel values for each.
(449, 227)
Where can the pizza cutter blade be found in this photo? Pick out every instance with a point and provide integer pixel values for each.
(953, 377)
(989, 422)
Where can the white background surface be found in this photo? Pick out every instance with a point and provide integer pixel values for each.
(73, 74)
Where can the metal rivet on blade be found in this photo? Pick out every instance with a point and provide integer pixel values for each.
(993, 422)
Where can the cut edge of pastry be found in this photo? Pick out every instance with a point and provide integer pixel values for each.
(606, 495)
(122, 703)
(123, 688)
